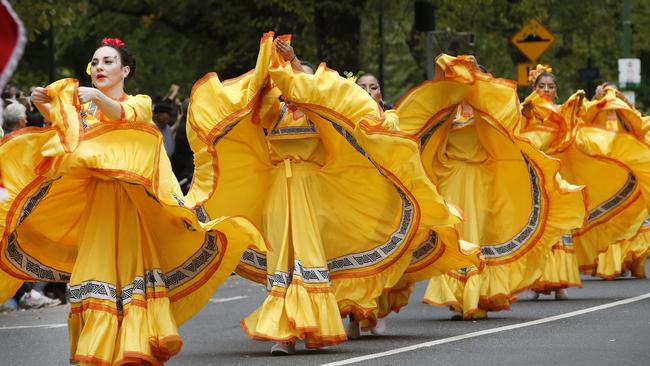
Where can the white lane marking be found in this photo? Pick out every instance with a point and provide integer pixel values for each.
(487, 331)
(46, 326)
(228, 299)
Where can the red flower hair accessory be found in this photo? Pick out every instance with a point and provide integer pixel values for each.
(113, 42)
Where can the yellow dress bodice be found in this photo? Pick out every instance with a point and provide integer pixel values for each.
(295, 138)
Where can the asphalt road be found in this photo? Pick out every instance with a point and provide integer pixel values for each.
(604, 323)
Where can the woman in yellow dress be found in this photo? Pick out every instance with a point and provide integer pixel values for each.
(342, 202)
(396, 297)
(393, 299)
(600, 154)
(611, 110)
(514, 203)
(370, 84)
(93, 202)
(553, 134)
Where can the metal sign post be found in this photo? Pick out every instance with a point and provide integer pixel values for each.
(428, 49)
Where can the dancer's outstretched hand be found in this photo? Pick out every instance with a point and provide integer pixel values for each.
(39, 96)
(527, 110)
(285, 50)
(88, 94)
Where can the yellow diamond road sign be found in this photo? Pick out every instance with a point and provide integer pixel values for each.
(533, 40)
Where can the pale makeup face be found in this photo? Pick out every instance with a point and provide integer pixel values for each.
(546, 86)
(106, 69)
(371, 85)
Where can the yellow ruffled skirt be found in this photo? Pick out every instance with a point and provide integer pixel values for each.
(301, 302)
(339, 238)
(106, 215)
(140, 327)
(518, 263)
(627, 255)
(394, 298)
(618, 208)
(460, 291)
(561, 268)
(514, 203)
(343, 202)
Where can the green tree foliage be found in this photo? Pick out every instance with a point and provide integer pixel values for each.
(583, 31)
(180, 41)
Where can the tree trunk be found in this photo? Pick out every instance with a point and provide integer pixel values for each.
(338, 29)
